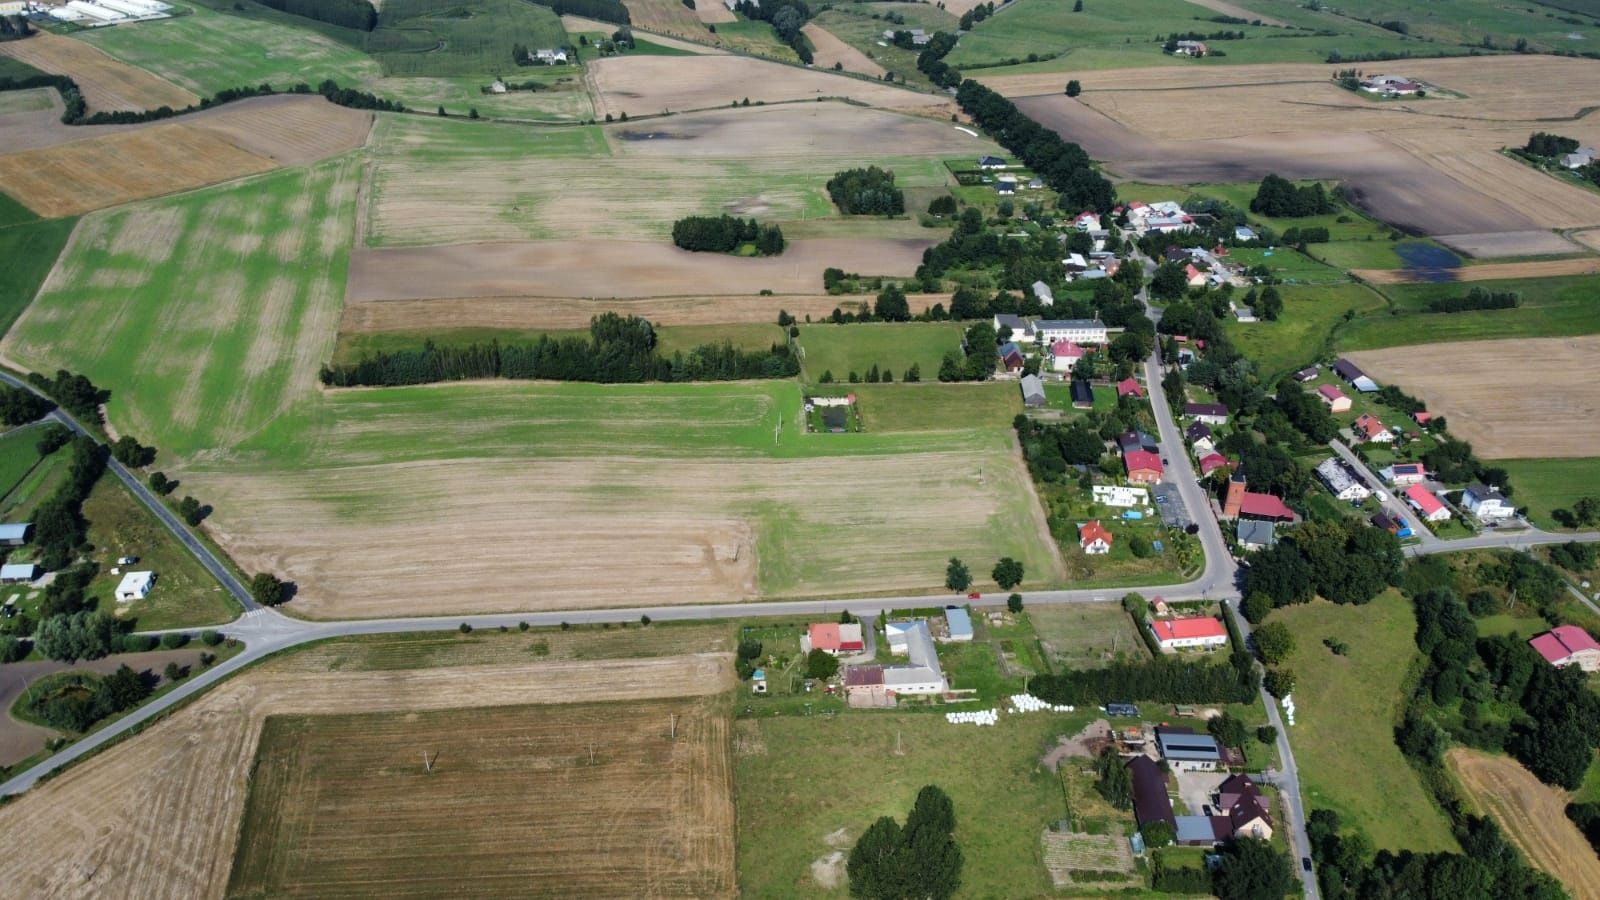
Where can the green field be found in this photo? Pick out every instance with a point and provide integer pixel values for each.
(28, 249)
(1086, 635)
(1468, 22)
(1347, 708)
(1551, 307)
(35, 486)
(25, 101)
(1303, 332)
(1546, 484)
(843, 349)
(18, 456)
(931, 406)
(817, 776)
(185, 595)
(755, 37)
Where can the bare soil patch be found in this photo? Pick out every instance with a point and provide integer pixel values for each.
(836, 129)
(612, 269)
(1546, 268)
(157, 816)
(106, 83)
(291, 130)
(1086, 744)
(645, 85)
(1533, 816)
(1466, 381)
(829, 50)
(1237, 11)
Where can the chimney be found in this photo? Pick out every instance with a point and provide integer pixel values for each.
(1235, 498)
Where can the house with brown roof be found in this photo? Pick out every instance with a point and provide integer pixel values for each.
(1335, 399)
(1150, 800)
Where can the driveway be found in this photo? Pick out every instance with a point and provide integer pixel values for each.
(1196, 789)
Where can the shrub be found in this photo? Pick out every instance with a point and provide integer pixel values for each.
(172, 640)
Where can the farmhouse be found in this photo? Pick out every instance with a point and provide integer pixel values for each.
(1087, 221)
(1187, 632)
(1423, 501)
(1151, 802)
(958, 622)
(1240, 502)
(1583, 157)
(1094, 539)
(1137, 440)
(1185, 751)
(1347, 370)
(1212, 462)
(1255, 534)
(1119, 495)
(135, 586)
(1032, 391)
(1341, 480)
(1335, 399)
(1129, 387)
(15, 573)
(1021, 329)
(1401, 474)
(919, 37)
(833, 638)
(991, 162)
(1143, 466)
(1244, 233)
(922, 675)
(1082, 395)
(1368, 428)
(1065, 354)
(550, 57)
(1422, 417)
(1043, 293)
(1246, 810)
(15, 534)
(1082, 331)
(1487, 503)
(1204, 447)
(1209, 413)
(1390, 85)
(1568, 645)
(1011, 356)
(1197, 431)
(1195, 49)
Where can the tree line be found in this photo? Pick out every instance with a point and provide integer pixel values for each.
(76, 110)
(1278, 198)
(1162, 680)
(13, 28)
(1064, 166)
(357, 14)
(1487, 866)
(866, 192)
(605, 10)
(1476, 298)
(618, 350)
(786, 17)
(725, 234)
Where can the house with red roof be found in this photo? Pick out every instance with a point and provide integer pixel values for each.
(1424, 502)
(1205, 632)
(1129, 387)
(1212, 462)
(1143, 466)
(1065, 354)
(1335, 398)
(1368, 428)
(1086, 221)
(1265, 507)
(1568, 645)
(834, 638)
(1194, 276)
(1422, 417)
(1094, 539)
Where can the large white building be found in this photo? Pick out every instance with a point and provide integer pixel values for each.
(135, 586)
(1342, 481)
(1487, 503)
(1079, 331)
(1120, 495)
(923, 675)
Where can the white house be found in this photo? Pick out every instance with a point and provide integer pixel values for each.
(1120, 495)
(1583, 157)
(135, 586)
(1341, 481)
(1064, 355)
(1042, 291)
(1487, 503)
(1079, 331)
(1094, 539)
(1021, 329)
(1087, 221)
(551, 57)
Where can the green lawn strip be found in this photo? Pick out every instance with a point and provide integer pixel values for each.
(1543, 485)
(1551, 307)
(28, 250)
(1304, 331)
(185, 595)
(755, 37)
(842, 349)
(820, 775)
(1468, 22)
(18, 456)
(36, 486)
(1346, 711)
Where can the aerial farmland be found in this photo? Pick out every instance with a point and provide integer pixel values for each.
(1038, 448)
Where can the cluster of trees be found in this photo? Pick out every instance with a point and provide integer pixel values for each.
(1587, 817)
(1170, 42)
(357, 14)
(76, 393)
(19, 407)
(1345, 561)
(869, 192)
(78, 700)
(726, 234)
(619, 350)
(975, 15)
(930, 61)
(1453, 461)
(58, 523)
(268, 590)
(977, 358)
(787, 17)
(605, 10)
(920, 859)
(1560, 730)
(14, 27)
(1051, 448)
(1585, 512)
(85, 634)
(1487, 866)
(1574, 556)
(1548, 146)
(1064, 166)
(1477, 298)
(1299, 237)
(1161, 680)
(1279, 198)
(1113, 782)
(745, 659)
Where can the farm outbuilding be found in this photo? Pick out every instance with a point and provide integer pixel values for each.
(16, 573)
(1032, 391)
(135, 586)
(959, 622)
(15, 534)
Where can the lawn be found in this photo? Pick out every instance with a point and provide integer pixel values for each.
(18, 456)
(808, 787)
(1543, 485)
(1086, 635)
(1304, 331)
(931, 406)
(1347, 708)
(1551, 307)
(1288, 266)
(28, 249)
(842, 350)
(185, 595)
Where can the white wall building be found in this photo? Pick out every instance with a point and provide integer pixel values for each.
(1120, 495)
(1079, 331)
(1341, 481)
(135, 586)
(1487, 503)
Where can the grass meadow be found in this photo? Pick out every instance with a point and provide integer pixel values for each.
(185, 595)
(1347, 708)
(1303, 332)
(28, 249)
(1543, 485)
(843, 349)
(861, 26)
(1551, 307)
(18, 456)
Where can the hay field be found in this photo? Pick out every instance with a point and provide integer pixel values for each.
(644, 85)
(614, 269)
(173, 796)
(1555, 414)
(106, 83)
(558, 313)
(714, 13)
(510, 183)
(829, 49)
(341, 806)
(1533, 816)
(1544, 268)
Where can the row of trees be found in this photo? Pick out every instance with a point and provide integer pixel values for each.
(726, 234)
(1548, 146)
(1279, 198)
(787, 17)
(76, 394)
(976, 360)
(870, 192)
(1162, 680)
(605, 10)
(1476, 298)
(618, 350)
(1064, 166)
(357, 14)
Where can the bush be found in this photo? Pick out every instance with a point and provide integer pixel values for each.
(821, 664)
(210, 637)
(267, 589)
(173, 640)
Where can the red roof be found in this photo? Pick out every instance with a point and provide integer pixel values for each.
(1089, 532)
(1066, 348)
(1129, 387)
(1188, 628)
(1423, 499)
(1135, 460)
(1212, 462)
(1265, 506)
(1422, 417)
(1559, 643)
(1191, 271)
(1369, 425)
(1331, 392)
(826, 636)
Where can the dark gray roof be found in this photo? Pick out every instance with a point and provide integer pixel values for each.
(1205, 409)
(1347, 370)
(1184, 745)
(1255, 531)
(1150, 800)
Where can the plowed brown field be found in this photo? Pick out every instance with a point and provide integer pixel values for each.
(1533, 816)
(106, 83)
(157, 816)
(829, 50)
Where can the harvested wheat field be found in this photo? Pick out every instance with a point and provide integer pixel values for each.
(577, 24)
(712, 13)
(1497, 244)
(1239, 12)
(289, 129)
(1533, 816)
(667, 17)
(1547, 200)
(1547, 268)
(614, 269)
(800, 130)
(173, 796)
(830, 50)
(106, 83)
(644, 85)
(1466, 382)
(71, 179)
(548, 313)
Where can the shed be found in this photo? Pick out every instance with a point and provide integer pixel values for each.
(15, 534)
(960, 622)
(1082, 395)
(135, 586)
(1032, 391)
(13, 573)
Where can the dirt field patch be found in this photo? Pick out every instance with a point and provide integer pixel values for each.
(1500, 244)
(1239, 12)
(1583, 265)
(642, 85)
(158, 815)
(575, 800)
(106, 83)
(793, 130)
(613, 269)
(667, 17)
(1467, 383)
(1533, 816)
(291, 130)
(830, 50)
(714, 13)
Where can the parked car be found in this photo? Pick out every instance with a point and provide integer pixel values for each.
(1305, 863)
(127, 560)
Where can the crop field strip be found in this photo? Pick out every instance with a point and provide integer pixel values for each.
(1532, 815)
(106, 84)
(175, 794)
